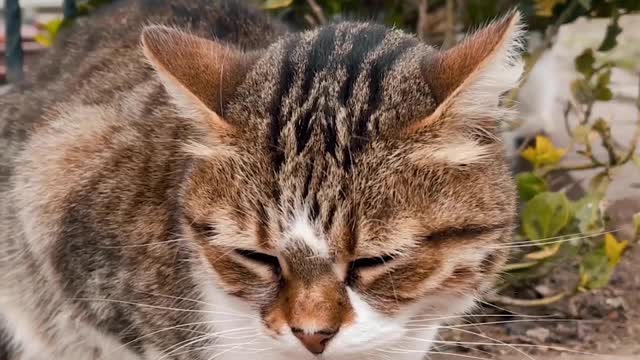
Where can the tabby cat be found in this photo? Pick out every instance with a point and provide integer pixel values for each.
(185, 179)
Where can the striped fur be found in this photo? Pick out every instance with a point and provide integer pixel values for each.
(269, 190)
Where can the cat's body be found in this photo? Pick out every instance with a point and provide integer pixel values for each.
(248, 202)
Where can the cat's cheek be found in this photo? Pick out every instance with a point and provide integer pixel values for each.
(369, 330)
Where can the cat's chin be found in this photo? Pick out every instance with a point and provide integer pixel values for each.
(372, 334)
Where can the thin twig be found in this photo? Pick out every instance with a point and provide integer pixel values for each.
(450, 25)
(506, 300)
(567, 126)
(317, 11)
(580, 167)
(519, 266)
(603, 129)
(423, 15)
(311, 20)
(635, 139)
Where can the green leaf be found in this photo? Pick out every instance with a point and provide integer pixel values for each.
(595, 270)
(584, 62)
(604, 94)
(601, 126)
(613, 30)
(586, 4)
(544, 152)
(636, 226)
(276, 4)
(546, 215)
(604, 79)
(599, 183)
(529, 185)
(588, 215)
(602, 91)
(581, 91)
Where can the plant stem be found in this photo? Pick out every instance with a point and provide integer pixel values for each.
(519, 266)
(423, 22)
(450, 25)
(317, 11)
(571, 168)
(635, 139)
(506, 300)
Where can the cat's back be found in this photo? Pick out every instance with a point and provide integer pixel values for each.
(92, 99)
(98, 61)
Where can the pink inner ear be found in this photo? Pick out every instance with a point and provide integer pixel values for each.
(207, 69)
(448, 70)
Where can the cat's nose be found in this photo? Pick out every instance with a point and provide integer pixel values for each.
(315, 342)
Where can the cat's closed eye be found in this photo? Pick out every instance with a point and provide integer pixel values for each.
(260, 258)
(371, 262)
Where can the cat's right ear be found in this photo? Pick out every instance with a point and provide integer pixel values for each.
(198, 74)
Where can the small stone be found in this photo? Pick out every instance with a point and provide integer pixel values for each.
(544, 290)
(613, 316)
(616, 303)
(539, 334)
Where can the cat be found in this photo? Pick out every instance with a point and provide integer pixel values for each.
(191, 180)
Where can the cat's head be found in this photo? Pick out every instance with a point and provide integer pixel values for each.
(348, 189)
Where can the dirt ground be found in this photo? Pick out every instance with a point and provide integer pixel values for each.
(601, 325)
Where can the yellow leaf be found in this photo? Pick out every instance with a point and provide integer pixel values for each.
(584, 280)
(545, 7)
(53, 26)
(276, 4)
(49, 33)
(43, 39)
(544, 152)
(546, 252)
(614, 248)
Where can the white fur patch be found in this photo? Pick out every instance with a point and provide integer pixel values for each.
(457, 153)
(302, 233)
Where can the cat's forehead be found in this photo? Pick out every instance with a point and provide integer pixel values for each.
(322, 96)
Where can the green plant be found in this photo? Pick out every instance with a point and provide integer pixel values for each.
(551, 220)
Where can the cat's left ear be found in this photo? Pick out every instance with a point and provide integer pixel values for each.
(198, 74)
(468, 80)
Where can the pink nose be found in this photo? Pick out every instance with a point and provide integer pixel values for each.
(315, 342)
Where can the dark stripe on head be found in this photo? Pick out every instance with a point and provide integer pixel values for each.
(331, 212)
(315, 207)
(287, 73)
(307, 180)
(262, 232)
(317, 61)
(362, 45)
(304, 128)
(379, 68)
(330, 134)
(319, 55)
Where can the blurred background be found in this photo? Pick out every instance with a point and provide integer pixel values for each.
(574, 152)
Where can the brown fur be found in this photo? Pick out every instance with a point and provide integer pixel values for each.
(121, 185)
